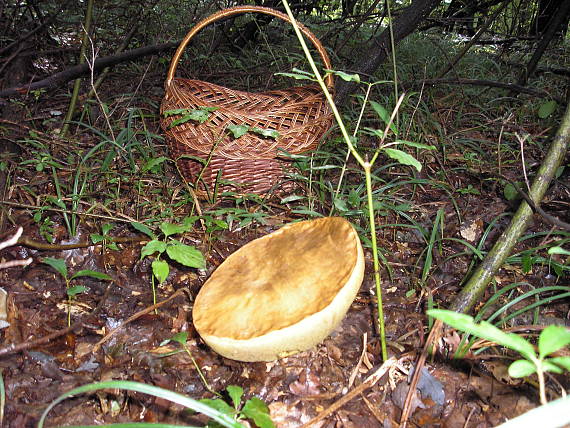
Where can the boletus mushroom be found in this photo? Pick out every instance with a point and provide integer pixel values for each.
(281, 293)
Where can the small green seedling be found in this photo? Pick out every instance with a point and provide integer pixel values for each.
(254, 408)
(181, 338)
(186, 255)
(104, 238)
(72, 291)
(552, 339)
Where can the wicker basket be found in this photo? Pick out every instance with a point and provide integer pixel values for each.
(300, 115)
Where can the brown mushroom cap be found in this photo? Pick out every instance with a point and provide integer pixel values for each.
(282, 293)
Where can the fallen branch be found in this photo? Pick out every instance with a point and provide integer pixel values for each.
(477, 283)
(489, 83)
(71, 73)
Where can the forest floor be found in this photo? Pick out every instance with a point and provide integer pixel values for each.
(37, 186)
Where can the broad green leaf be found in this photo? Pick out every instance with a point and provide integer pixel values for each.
(510, 192)
(174, 112)
(403, 158)
(174, 229)
(257, 410)
(197, 115)
(561, 361)
(558, 250)
(220, 405)
(521, 368)
(96, 238)
(180, 337)
(154, 246)
(112, 246)
(345, 76)
(106, 228)
(270, 133)
(235, 393)
(546, 109)
(340, 204)
(238, 130)
(552, 339)
(416, 145)
(152, 163)
(92, 274)
(384, 115)
(74, 291)
(186, 255)
(548, 366)
(143, 229)
(484, 330)
(160, 269)
(58, 264)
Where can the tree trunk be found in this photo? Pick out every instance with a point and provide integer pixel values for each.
(557, 20)
(379, 49)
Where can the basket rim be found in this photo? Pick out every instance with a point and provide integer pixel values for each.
(238, 10)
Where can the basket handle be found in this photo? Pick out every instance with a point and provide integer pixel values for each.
(237, 11)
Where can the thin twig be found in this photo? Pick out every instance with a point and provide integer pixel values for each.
(136, 316)
(368, 383)
(13, 348)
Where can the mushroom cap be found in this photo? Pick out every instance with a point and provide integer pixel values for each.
(281, 293)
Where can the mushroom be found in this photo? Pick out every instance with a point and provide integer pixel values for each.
(281, 293)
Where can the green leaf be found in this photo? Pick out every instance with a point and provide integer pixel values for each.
(58, 264)
(92, 274)
(546, 109)
(558, 250)
(78, 289)
(235, 393)
(153, 163)
(384, 115)
(561, 361)
(220, 405)
(403, 158)
(291, 198)
(180, 337)
(416, 145)
(56, 201)
(521, 368)
(154, 246)
(298, 75)
(143, 229)
(484, 330)
(257, 410)
(238, 130)
(270, 133)
(548, 366)
(96, 238)
(112, 246)
(160, 269)
(510, 192)
(340, 205)
(552, 339)
(198, 115)
(186, 255)
(106, 228)
(345, 76)
(174, 229)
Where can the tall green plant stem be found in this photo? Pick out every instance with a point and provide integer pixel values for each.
(364, 164)
(475, 287)
(77, 84)
(377, 280)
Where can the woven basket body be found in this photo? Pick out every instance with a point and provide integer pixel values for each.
(300, 115)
